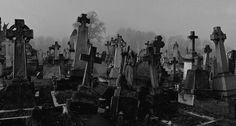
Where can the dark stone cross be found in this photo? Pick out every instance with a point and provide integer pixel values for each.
(21, 33)
(56, 48)
(83, 19)
(207, 49)
(91, 59)
(192, 37)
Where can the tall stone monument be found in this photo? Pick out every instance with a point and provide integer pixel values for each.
(82, 42)
(224, 81)
(21, 32)
(153, 57)
(119, 44)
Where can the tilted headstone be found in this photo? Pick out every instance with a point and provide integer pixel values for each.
(153, 57)
(91, 59)
(21, 32)
(82, 42)
(206, 62)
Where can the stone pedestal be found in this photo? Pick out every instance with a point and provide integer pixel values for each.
(224, 85)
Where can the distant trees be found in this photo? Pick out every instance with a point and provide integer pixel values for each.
(136, 39)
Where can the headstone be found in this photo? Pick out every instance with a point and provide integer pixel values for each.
(21, 32)
(8, 51)
(188, 64)
(82, 42)
(192, 37)
(206, 62)
(232, 61)
(174, 62)
(56, 47)
(40, 57)
(153, 57)
(119, 44)
(19, 93)
(176, 52)
(91, 59)
(224, 81)
(218, 37)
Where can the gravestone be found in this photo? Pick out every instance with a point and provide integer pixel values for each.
(119, 44)
(91, 59)
(192, 37)
(153, 57)
(56, 47)
(176, 52)
(174, 62)
(20, 31)
(40, 57)
(82, 42)
(232, 61)
(206, 62)
(224, 81)
(18, 92)
(8, 51)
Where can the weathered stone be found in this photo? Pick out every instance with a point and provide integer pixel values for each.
(91, 59)
(82, 42)
(21, 33)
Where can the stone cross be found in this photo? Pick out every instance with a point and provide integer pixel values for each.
(108, 44)
(153, 57)
(207, 51)
(21, 32)
(218, 38)
(91, 59)
(192, 37)
(82, 45)
(56, 47)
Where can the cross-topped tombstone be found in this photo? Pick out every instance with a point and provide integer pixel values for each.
(192, 37)
(82, 42)
(21, 32)
(218, 38)
(119, 44)
(207, 51)
(153, 57)
(91, 59)
(56, 47)
(108, 44)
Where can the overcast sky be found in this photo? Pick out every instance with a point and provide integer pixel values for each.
(167, 17)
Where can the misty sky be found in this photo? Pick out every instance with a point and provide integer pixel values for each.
(167, 17)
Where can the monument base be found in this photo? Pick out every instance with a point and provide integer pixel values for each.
(224, 85)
